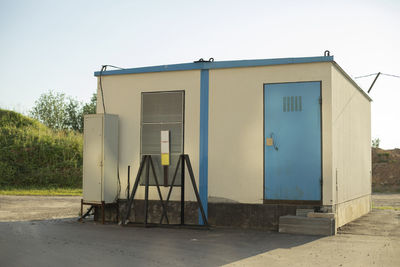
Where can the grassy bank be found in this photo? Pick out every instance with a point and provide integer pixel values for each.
(34, 156)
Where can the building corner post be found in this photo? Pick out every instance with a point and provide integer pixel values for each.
(203, 157)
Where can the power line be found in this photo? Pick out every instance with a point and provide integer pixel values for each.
(372, 74)
(115, 67)
(396, 76)
(104, 68)
(365, 75)
(376, 77)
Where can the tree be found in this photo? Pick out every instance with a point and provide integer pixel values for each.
(73, 119)
(50, 109)
(59, 112)
(375, 143)
(88, 108)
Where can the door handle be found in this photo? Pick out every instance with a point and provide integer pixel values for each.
(271, 141)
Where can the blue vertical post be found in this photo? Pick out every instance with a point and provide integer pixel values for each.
(203, 157)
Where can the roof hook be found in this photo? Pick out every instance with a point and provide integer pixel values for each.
(327, 53)
(211, 59)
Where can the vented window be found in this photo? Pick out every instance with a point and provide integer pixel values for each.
(162, 111)
(292, 104)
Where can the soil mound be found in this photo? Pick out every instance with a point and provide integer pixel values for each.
(385, 170)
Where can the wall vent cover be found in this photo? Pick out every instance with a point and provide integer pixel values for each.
(292, 104)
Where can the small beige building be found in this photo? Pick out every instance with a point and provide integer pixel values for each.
(265, 137)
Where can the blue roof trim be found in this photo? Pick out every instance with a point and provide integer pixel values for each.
(217, 65)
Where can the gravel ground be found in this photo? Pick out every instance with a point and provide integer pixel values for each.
(373, 240)
(25, 208)
(382, 200)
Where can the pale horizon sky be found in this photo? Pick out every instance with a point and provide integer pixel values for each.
(57, 45)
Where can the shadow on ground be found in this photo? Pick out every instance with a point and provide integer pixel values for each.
(69, 243)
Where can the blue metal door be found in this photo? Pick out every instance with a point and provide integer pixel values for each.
(292, 141)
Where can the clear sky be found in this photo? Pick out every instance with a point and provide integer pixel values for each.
(57, 45)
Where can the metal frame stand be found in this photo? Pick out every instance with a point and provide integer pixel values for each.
(181, 163)
(147, 162)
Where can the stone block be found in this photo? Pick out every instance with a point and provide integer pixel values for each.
(306, 225)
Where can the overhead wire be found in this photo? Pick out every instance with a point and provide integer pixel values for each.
(396, 76)
(376, 77)
(365, 75)
(115, 67)
(372, 74)
(104, 68)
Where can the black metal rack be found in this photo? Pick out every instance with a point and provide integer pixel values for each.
(146, 163)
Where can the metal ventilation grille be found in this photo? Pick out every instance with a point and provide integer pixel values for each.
(162, 107)
(292, 104)
(162, 111)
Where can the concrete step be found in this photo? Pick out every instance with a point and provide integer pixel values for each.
(321, 215)
(307, 225)
(303, 212)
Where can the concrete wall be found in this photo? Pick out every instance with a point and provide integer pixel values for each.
(351, 124)
(235, 171)
(122, 94)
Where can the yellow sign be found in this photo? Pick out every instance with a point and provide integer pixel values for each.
(270, 142)
(165, 159)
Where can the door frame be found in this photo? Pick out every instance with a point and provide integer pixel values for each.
(285, 201)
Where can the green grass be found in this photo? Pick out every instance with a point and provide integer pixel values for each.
(385, 189)
(386, 208)
(41, 191)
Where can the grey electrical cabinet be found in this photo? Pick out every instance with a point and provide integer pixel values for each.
(100, 158)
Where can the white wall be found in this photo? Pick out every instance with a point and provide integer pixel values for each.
(236, 128)
(351, 123)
